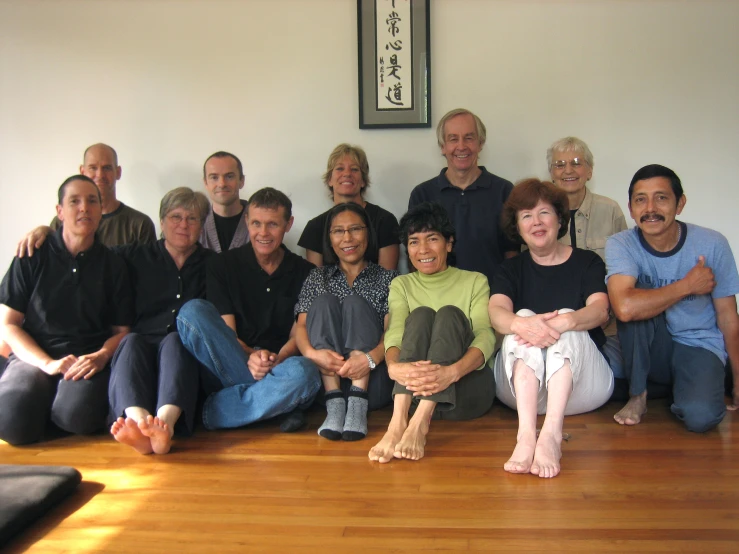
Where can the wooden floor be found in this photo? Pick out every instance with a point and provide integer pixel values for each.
(650, 488)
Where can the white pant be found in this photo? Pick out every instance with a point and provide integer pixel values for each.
(592, 378)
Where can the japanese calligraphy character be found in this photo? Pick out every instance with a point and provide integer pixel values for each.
(394, 95)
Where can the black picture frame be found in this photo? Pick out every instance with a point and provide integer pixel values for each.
(384, 98)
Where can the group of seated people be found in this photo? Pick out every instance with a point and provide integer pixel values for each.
(219, 319)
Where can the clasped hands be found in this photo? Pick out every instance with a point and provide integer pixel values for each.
(423, 378)
(330, 363)
(541, 330)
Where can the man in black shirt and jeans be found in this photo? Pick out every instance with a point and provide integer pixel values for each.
(243, 333)
(63, 313)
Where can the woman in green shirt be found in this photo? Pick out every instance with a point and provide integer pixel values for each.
(438, 339)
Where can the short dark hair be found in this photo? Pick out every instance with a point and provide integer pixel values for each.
(329, 256)
(271, 199)
(526, 195)
(656, 170)
(222, 154)
(63, 188)
(426, 217)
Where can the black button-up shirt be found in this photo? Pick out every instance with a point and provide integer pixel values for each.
(70, 302)
(261, 303)
(475, 213)
(160, 289)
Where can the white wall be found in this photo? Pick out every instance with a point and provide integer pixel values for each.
(167, 82)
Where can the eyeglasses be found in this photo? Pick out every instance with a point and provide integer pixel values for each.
(574, 164)
(354, 231)
(176, 219)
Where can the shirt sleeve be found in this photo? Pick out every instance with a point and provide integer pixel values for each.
(484, 336)
(123, 312)
(387, 230)
(505, 280)
(593, 280)
(619, 261)
(724, 269)
(506, 244)
(312, 236)
(399, 312)
(386, 282)
(18, 283)
(308, 293)
(147, 233)
(216, 284)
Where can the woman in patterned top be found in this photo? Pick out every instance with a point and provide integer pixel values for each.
(342, 316)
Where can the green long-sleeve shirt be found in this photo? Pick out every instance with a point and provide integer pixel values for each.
(467, 290)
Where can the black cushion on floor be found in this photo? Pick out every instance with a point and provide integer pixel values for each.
(28, 492)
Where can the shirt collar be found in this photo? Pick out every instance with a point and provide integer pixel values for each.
(481, 182)
(56, 241)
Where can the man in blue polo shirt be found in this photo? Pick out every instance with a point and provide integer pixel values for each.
(472, 196)
(672, 287)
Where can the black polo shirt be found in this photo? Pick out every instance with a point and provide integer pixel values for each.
(160, 289)
(70, 302)
(475, 213)
(262, 304)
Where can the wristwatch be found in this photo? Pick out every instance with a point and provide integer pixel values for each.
(372, 363)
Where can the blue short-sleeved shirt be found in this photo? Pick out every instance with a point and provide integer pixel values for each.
(692, 321)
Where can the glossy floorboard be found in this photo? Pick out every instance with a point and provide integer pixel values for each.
(651, 488)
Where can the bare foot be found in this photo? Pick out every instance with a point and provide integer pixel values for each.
(634, 409)
(128, 432)
(158, 433)
(523, 455)
(547, 455)
(383, 451)
(412, 442)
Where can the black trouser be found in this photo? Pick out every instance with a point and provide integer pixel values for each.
(443, 337)
(150, 372)
(346, 326)
(29, 397)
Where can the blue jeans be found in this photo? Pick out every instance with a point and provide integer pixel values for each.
(242, 399)
(696, 374)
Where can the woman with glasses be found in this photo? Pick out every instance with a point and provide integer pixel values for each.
(593, 218)
(550, 303)
(154, 381)
(341, 319)
(438, 340)
(347, 179)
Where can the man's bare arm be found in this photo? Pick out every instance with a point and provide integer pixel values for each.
(632, 304)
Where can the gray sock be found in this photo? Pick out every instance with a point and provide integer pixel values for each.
(355, 425)
(335, 414)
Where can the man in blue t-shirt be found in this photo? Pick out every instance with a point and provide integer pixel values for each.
(672, 287)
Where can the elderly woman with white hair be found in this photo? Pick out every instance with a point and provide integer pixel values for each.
(593, 218)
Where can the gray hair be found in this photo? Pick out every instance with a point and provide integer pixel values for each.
(480, 126)
(570, 144)
(184, 197)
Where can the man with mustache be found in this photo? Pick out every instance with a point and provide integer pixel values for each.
(472, 196)
(672, 287)
(225, 226)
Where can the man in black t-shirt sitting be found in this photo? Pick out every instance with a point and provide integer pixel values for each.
(243, 333)
(63, 313)
(225, 226)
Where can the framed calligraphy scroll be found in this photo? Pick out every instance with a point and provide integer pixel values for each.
(394, 64)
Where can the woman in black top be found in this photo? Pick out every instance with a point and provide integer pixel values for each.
(154, 379)
(550, 303)
(347, 178)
